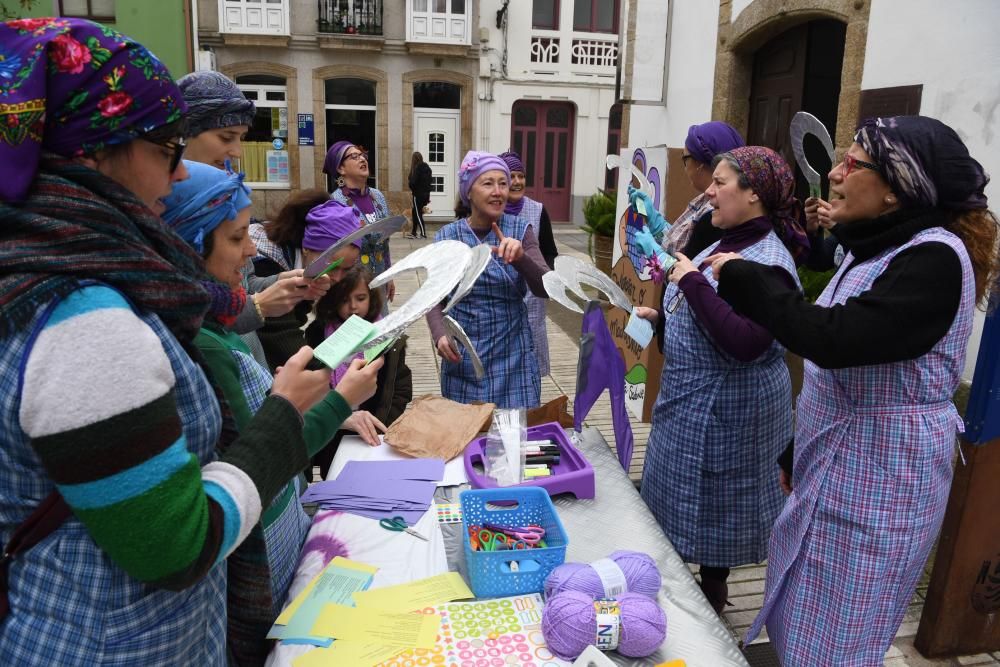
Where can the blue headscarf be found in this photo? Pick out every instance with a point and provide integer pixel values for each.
(204, 201)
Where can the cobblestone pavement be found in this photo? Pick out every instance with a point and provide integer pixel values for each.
(747, 582)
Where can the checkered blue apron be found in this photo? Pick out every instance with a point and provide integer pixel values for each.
(531, 212)
(872, 471)
(374, 250)
(70, 604)
(710, 476)
(494, 317)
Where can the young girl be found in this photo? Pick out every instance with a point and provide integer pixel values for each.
(351, 296)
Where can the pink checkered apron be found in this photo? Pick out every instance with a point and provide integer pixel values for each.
(873, 453)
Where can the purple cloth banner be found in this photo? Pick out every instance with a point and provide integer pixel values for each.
(601, 367)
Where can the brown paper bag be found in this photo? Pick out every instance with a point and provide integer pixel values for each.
(436, 427)
(553, 411)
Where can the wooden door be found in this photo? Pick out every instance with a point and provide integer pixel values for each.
(776, 90)
(542, 133)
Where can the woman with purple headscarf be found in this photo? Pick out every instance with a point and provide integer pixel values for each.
(884, 346)
(724, 413)
(493, 313)
(123, 461)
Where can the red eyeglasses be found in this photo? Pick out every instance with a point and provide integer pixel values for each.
(851, 163)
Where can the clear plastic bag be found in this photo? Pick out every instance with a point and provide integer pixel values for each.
(503, 454)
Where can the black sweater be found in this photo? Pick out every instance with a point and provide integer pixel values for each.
(908, 309)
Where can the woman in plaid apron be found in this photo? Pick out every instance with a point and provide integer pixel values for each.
(875, 431)
(724, 413)
(493, 313)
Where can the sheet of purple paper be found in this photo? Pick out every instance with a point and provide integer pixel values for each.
(403, 490)
(414, 469)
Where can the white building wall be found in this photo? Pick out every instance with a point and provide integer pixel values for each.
(689, 76)
(954, 53)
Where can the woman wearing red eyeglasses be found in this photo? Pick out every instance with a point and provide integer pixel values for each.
(875, 428)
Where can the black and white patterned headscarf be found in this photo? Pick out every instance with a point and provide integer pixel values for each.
(925, 162)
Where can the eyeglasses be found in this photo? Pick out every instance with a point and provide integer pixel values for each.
(675, 302)
(177, 146)
(851, 163)
(356, 156)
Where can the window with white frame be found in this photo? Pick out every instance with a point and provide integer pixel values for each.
(350, 114)
(439, 21)
(265, 159)
(95, 10)
(256, 17)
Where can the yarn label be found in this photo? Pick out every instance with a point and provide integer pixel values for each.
(609, 620)
(612, 577)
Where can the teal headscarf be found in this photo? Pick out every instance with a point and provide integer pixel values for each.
(204, 201)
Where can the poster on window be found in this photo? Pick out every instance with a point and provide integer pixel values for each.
(279, 122)
(642, 366)
(277, 166)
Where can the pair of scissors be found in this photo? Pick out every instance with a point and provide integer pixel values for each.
(496, 541)
(398, 524)
(530, 535)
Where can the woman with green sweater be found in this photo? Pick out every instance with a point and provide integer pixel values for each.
(211, 211)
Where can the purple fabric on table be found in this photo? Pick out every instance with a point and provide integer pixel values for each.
(601, 367)
(328, 223)
(73, 87)
(707, 140)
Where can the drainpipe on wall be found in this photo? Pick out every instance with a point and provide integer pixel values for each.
(194, 34)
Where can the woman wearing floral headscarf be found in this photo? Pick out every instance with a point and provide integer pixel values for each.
(723, 414)
(109, 425)
(493, 314)
(211, 211)
(885, 346)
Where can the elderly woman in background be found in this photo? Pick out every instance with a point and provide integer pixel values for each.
(115, 444)
(535, 215)
(493, 314)
(885, 346)
(211, 211)
(219, 116)
(724, 410)
(693, 231)
(348, 164)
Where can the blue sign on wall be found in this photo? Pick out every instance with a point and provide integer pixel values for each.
(306, 133)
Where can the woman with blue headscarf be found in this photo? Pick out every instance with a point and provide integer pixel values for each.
(493, 314)
(875, 426)
(211, 211)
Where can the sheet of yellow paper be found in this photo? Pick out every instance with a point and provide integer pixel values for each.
(415, 595)
(356, 654)
(377, 626)
(339, 561)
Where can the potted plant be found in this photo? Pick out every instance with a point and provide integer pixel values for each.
(599, 214)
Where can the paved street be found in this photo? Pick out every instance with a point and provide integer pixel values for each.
(747, 582)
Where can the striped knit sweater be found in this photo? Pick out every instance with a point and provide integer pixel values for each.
(98, 403)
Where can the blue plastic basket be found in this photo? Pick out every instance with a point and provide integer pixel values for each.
(490, 572)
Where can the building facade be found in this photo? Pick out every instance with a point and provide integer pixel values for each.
(393, 76)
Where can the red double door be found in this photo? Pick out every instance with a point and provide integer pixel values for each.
(542, 134)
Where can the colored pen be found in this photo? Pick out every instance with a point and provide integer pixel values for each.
(542, 448)
(532, 472)
(542, 459)
(538, 443)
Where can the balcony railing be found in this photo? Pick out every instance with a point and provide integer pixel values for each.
(595, 52)
(573, 54)
(350, 17)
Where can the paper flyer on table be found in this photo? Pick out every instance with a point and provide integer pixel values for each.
(372, 625)
(428, 592)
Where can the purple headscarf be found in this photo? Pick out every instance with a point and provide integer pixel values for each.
(328, 223)
(334, 157)
(475, 164)
(73, 87)
(514, 163)
(925, 162)
(707, 140)
(772, 180)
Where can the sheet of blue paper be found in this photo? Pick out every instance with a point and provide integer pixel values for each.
(639, 330)
(415, 469)
(336, 584)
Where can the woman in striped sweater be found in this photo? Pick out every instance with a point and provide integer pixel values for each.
(105, 408)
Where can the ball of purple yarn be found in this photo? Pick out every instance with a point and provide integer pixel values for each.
(641, 576)
(569, 624)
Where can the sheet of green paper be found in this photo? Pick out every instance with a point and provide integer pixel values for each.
(334, 264)
(345, 341)
(640, 208)
(335, 583)
(415, 595)
(373, 352)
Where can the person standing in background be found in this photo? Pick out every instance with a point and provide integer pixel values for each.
(420, 186)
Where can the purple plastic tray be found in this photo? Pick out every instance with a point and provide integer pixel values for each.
(573, 474)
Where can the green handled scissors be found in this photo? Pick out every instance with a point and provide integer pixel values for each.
(398, 524)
